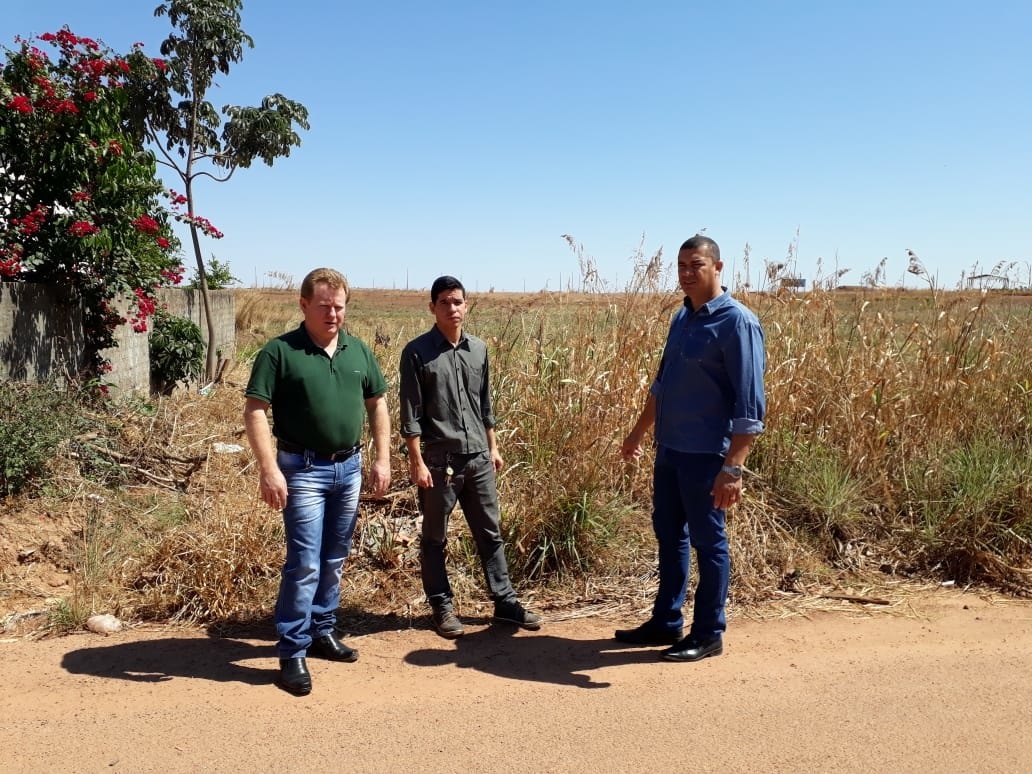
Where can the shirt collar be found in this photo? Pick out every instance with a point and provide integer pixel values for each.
(710, 306)
(312, 346)
(441, 342)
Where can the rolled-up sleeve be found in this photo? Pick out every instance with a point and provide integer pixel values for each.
(409, 393)
(746, 358)
(486, 409)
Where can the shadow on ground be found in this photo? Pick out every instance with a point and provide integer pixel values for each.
(158, 660)
(535, 656)
(496, 649)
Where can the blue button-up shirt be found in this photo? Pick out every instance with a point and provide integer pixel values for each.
(710, 380)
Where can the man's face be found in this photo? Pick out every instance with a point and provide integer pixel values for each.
(698, 275)
(449, 309)
(324, 312)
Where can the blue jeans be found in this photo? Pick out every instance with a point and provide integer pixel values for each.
(683, 518)
(473, 485)
(319, 520)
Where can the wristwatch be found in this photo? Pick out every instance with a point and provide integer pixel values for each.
(735, 471)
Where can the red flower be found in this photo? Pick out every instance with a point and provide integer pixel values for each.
(30, 224)
(146, 224)
(81, 196)
(174, 275)
(163, 243)
(21, 104)
(58, 106)
(9, 267)
(82, 228)
(160, 64)
(92, 68)
(89, 96)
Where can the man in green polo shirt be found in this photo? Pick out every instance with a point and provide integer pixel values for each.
(321, 384)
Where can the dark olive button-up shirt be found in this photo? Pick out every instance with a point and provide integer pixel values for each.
(445, 393)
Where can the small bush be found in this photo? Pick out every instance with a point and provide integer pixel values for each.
(34, 420)
(176, 351)
(218, 275)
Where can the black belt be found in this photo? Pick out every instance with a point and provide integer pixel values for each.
(337, 456)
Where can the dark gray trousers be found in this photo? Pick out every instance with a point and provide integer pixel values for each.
(473, 486)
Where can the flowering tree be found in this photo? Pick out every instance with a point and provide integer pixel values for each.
(173, 112)
(79, 197)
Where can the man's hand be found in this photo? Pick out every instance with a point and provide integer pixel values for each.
(380, 472)
(727, 491)
(420, 474)
(273, 487)
(630, 449)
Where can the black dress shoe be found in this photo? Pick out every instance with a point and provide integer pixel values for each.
(294, 677)
(329, 647)
(648, 634)
(694, 649)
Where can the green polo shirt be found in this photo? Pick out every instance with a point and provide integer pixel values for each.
(317, 401)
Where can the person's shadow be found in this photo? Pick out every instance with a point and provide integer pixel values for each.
(216, 657)
(155, 661)
(536, 656)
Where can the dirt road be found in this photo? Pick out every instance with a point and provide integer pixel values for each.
(939, 683)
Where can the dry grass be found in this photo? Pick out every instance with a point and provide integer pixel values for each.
(897, 448)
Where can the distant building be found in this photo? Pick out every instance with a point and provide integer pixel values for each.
(988, 282)
(792, 283)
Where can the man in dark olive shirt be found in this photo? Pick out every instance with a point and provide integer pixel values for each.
(448, 425)
(321, 384)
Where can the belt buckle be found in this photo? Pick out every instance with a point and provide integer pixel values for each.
(340, 456)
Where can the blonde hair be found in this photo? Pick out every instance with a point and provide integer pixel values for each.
(330, 277)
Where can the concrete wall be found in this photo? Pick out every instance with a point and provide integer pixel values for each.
(41, 334)
(189, 304)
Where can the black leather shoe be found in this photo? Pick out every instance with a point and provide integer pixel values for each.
(329, 647)
(446, 623)
(648, 634)
(294, 677)
(693, 649)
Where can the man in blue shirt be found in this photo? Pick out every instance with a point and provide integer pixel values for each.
(706, 406)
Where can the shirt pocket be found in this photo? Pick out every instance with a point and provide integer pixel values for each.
(696, 344)
(472, 381)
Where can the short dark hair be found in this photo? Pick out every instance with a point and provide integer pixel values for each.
(445, 283)
(704, 243)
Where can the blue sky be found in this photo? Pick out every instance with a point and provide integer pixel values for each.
(467, 137)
